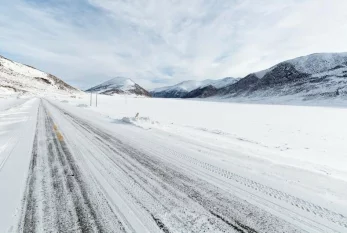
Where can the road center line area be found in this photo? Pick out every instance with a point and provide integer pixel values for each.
(75, 175)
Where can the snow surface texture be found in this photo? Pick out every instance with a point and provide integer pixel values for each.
(7, 102)
(142, 122)
(22, 79)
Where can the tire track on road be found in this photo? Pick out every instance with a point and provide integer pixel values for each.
(221, 206)
(58, 199)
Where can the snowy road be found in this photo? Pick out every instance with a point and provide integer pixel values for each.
(85, 177)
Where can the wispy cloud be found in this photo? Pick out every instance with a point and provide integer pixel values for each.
(160, 42)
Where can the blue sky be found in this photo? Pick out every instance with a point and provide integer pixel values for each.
(163, 42)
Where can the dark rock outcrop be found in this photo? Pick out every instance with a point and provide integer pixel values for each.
(169, 94)
(243, 85)
(282, 74)
(202, 92)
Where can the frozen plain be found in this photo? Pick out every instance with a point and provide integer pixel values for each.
(181, 166)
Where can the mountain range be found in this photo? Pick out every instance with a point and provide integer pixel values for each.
(181, 90)
(319, 75)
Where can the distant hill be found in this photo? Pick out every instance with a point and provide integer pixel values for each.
(119, 85)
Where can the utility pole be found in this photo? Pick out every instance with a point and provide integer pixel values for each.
(96, 99)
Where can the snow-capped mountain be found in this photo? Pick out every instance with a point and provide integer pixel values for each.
(180, 90)
(21, 79)
(320, 75)
(119, 85)
(219, 83)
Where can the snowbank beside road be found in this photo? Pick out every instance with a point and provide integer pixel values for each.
(17, 129)
(8, 102)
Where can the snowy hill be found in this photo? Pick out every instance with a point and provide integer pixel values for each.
(182, 89)
(23, 79)
(119, 85)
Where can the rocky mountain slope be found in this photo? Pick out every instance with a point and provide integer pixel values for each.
(119, 85)
(24, 79)
(309, 77)
(180, 90)
(320, 75)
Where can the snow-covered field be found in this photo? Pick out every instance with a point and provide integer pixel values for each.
(306, 137)
(178, 165)
(299, 149)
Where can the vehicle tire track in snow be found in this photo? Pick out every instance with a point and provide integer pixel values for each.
(317, 212)
(58, 199)
(30, 215)
(220, 207)
(147, 191)
(292, 200)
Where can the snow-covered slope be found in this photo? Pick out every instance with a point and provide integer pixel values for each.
(119, 85)
(316, 76)
(313, 63)
(19, 78)
(181, 89)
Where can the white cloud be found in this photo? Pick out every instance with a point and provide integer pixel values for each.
(159, 42)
